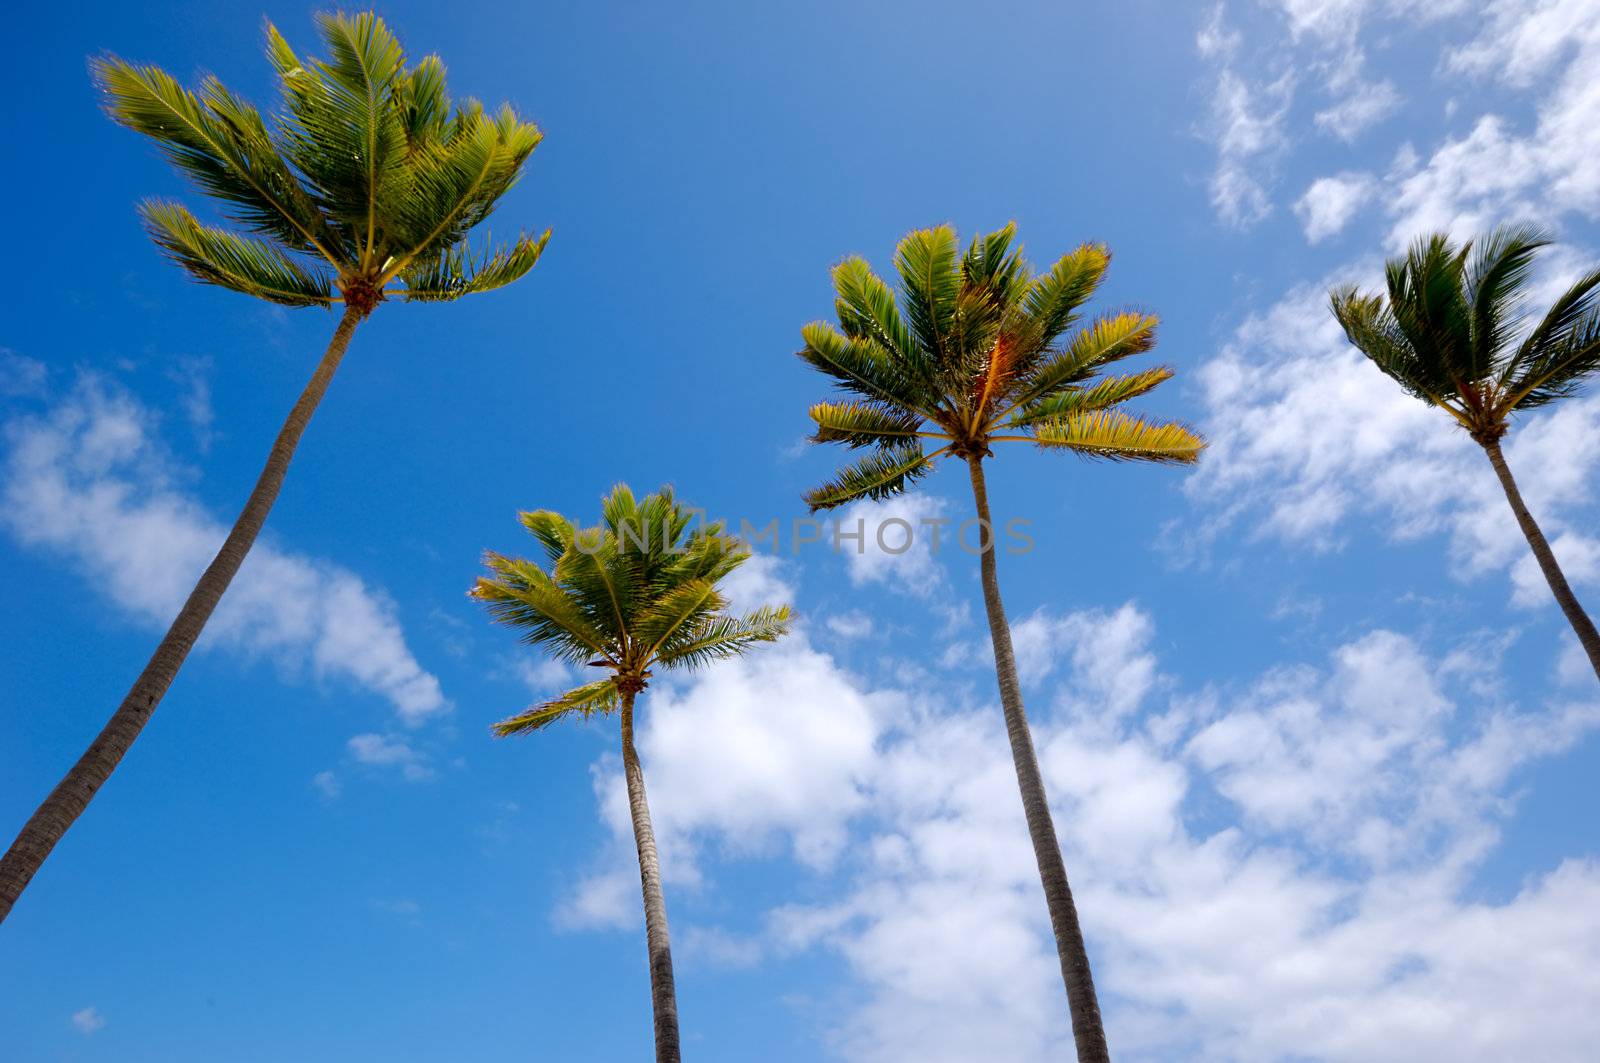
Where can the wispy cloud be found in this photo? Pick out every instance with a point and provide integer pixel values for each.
(90, 482)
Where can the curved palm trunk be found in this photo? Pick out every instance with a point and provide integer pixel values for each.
(73, 794)
(1588, 637)
(663, 991)
(1087, 1029)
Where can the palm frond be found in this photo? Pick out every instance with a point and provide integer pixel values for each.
(455, 186)
(225, 151)
(1053, 300)
(1546, 355)
(229, 260)
(1103, 394)
(524, 596)
(1370, 325)
(686, 605)
(877, 476)
(554, 532)
(1119, 436)
(600, 697)
(866, 310)
(1562, 369)
(1494, 282)
(456, 272)
(861, 366)
(861, 424)
(1109, 339)
(929, 284)
(725, 636)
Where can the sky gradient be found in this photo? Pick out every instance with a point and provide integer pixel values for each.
(1321, 747)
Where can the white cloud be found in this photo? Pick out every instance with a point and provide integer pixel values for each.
(386, 751)
(88, 1021)
(897, 542)
(328, 785)
(1246, 124)
(1495, 172)
(1305, 434)
(768, 748)
(21, 376)
(1579, 558)
(1326, 910)
(1331, 202)
(1243, 940)
(760, 581)
(852, 625)
(1364, 106)
(90, 482)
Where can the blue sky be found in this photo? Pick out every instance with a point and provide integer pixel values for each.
(1320, 746)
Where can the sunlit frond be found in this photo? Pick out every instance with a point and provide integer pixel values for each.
(226, 159)
(458, 272)
(365, 165)
(1101, 395)
(863, 367)
(229, 260)
(724, 637)
(876, 476)
(860, 424)
(640, 589)
(1121, 437)
(929, 284)
(600, 697)
(522, 595)
(1107, 340)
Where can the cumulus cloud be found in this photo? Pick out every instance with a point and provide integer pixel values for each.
(21, 376)
(1495, 171)
(898, 541)
(1330, 203)
(1306, 434)
(89, 481)
(1279, 870)
(387, 751)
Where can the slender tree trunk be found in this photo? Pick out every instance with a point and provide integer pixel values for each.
(1581, 624)
(73, 794)
(1087, 1029)
(663, 991)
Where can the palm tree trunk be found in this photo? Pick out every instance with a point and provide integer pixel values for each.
(1581, 624)
(1087, 1029)
(663, 991)
(72, 795)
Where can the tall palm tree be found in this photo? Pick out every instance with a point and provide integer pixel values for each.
(1448, 334)
(980, 350)
(364, 186)
(636, 593)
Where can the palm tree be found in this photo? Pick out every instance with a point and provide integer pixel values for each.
(363, 187)
(980, 350)
(636, 593)
(1448, 334)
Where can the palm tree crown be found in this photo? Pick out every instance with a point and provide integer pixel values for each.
(365, 184)
(978, 349)
(636, 592)
(1448, 329)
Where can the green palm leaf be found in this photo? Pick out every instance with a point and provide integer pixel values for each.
(456, 273)
(600, 697)
(874, 477)
(1121, 437)
(1110, 339)
(1103, 394)
(723, 637)
(860, 424)
(241, 263)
